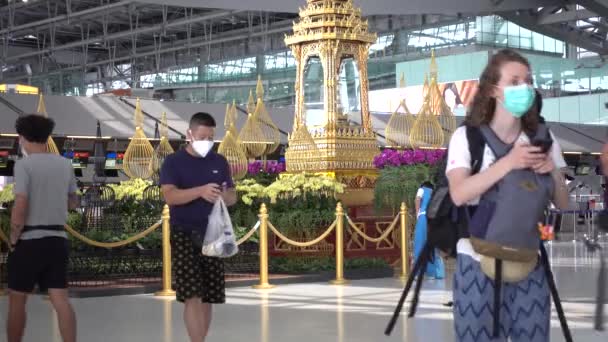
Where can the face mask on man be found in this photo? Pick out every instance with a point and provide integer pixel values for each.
(202, 147)
(518, 99)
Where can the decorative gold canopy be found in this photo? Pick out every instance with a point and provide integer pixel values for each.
(41, 109)
(163, 149)
(332, 32)
(138, 156)
(231, 148)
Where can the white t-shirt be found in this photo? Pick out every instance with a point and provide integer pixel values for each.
(459, 157)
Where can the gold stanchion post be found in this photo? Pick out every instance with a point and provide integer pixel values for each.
(263, 250)
(404, 242)
(339, 247)
(167, 290)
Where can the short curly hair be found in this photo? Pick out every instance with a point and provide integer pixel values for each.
(35, 128)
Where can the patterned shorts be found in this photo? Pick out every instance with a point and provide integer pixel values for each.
(196, 275)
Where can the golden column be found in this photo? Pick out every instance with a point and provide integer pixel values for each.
(330, 44)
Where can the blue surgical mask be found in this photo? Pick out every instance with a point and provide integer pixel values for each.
(518, 99)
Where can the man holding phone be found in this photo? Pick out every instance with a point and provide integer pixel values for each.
(192, 180)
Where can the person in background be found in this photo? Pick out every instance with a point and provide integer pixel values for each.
(435, 268)
(45, 188)
(192, 180)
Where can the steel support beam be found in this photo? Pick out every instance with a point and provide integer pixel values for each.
(124, 34)
(566, 16)
(575, 37)
(56, 19)
(598, 6)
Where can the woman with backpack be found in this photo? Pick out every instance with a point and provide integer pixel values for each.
(503, 111)
(435, 268)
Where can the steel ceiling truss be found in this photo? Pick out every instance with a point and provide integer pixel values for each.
(580, 23)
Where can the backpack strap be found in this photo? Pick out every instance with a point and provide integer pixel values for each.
(499, 148)
(476, 146)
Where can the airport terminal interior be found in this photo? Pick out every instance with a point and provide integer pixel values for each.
(330, 114)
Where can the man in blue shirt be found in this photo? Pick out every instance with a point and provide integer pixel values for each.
(192, 180)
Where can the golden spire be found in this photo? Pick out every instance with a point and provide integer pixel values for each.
(425, 87)
(433, 69)
(250, 103)
(402, 80)
(138, 115)
(41, 109)
(259, 89)
(164, 126)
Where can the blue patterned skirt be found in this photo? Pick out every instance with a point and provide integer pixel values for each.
(525, 311)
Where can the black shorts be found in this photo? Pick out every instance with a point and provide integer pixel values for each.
(196, 275)
(42, 262)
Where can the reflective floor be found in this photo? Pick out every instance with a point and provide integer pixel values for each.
(310, 312)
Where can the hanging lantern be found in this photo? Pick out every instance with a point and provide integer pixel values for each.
(400, 124)
(139, 153)
(163, 149)
(272, 136)
(251, 135)
(426, 131)
(230, 147)
(50, 143)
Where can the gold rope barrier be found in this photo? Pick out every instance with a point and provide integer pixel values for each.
(263, 216)
(249, 234)
(379, 238)
(340, 280)
(302, 244)
(116, 244)
(405, 242)
(167, 290)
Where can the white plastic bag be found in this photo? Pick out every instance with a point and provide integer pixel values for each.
(219, 239)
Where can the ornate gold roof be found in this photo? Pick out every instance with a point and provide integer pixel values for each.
(330, 19)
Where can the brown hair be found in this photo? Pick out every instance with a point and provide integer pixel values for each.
(483, 105)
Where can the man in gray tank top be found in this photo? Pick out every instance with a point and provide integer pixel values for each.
(45, 188)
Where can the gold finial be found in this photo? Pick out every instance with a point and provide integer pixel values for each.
(41, 107)
(250, 103)
(138, 115)
(259, 89)
(227, 116)
(164, 126)
(402, 80)
(434, 69)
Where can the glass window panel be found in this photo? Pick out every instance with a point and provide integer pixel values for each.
(313, 93)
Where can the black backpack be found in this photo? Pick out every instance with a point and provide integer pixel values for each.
(448, 223)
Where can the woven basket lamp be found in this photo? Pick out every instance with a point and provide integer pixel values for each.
(138, 157)
(426, 132)
(400, 124)
(230, 147)
(252, 134)
(163, 149)
(50, 143)
(272, 136)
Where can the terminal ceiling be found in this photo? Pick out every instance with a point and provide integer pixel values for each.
(45, 37)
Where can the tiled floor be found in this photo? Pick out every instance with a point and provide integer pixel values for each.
(310, 312)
